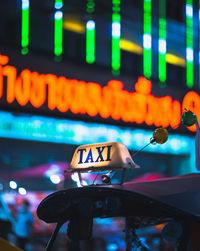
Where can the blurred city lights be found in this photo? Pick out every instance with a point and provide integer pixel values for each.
(74, 26)
(58, 4)
(58, 15)
(189, 10)
(84, 183)
(116, 29)
(22, 191)
(162, 46)
(189, 54)
(1, 186)
(175, 60)
(53, 169)
(127, 45)
(75, 177)
(55, 179)
(147, 41)
(175, 144)
(12, 184)
(25, 4)
(90, 24)
(112, 247)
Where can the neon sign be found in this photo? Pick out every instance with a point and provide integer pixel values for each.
(89, 98)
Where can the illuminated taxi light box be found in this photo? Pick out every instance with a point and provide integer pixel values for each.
(90, 98)
(101, 157)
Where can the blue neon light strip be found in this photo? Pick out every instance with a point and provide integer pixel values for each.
(65, 131)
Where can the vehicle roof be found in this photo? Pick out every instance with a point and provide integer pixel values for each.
(181, 192)
(176, 197)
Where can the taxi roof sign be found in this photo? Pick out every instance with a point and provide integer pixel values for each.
(101, 157)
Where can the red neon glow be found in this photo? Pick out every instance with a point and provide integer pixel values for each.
(110, 101)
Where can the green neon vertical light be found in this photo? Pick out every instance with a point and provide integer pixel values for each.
(90, 33)
(116, 36)
(147, 39)
(58, 28)
(189, 43)
(90, 6)
(58, 4)
(162, 42)
(25, 27)
(90, 41)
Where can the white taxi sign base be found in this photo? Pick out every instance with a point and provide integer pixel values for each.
(101, 157)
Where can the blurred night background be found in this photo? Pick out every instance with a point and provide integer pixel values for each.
(63, 66)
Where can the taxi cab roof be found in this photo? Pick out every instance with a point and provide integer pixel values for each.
(181, 192)
(178, 197)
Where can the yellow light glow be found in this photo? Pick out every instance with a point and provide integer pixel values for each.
(127, 45)
(74, 26)
(172, 59)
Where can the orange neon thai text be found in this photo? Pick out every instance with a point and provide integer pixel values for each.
(80, 97)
